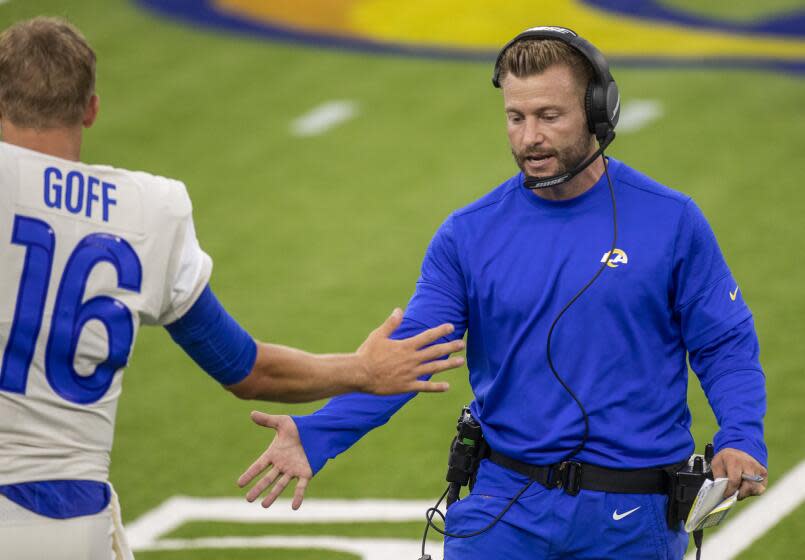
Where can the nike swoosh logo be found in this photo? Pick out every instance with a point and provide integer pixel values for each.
(618, 516)
(734, 294)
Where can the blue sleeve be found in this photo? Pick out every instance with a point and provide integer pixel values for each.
(439, 298)
(718, 332)
(215, 341)
(707, 300)
(731, 376)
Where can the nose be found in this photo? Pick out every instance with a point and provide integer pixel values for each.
(532, 132)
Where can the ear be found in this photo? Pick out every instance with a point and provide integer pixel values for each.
(91, 112)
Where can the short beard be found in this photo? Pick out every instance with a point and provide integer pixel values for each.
(567, 160)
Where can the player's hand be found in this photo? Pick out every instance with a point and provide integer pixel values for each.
(394, 366)
(283, 461)
(731, 464)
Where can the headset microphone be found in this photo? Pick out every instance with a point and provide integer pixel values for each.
(537, 183)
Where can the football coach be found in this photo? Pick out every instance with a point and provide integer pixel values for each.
(584, 287)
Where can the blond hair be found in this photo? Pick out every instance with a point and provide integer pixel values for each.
(47, 74)
(533, 56)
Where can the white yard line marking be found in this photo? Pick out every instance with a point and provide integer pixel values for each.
(324, 117)
(182, 509)
(145, 533)
(366, 549)
(760, 515)
(637, 114)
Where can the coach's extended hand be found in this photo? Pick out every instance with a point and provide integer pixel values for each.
(286, 459)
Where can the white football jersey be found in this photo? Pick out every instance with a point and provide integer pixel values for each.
(87, 254)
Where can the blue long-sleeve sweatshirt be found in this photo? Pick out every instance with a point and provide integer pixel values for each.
(502, 268)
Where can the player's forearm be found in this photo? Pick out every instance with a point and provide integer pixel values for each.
(287, 374)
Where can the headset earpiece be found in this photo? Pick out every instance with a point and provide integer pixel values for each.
(602, 111)
(588, 107)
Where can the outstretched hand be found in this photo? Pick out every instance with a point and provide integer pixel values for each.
(394, 366)
(283, 461)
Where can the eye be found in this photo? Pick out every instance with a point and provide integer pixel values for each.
(514, 118)
(550, 117)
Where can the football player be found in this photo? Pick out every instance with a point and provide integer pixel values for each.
(88, 253)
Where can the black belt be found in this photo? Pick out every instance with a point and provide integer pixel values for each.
(573, 476)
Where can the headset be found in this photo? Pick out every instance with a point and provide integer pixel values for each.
(602, 103)
(602, 107)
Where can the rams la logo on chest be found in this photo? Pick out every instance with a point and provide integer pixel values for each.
(617, 258)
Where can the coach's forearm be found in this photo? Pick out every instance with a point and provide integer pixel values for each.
(287, 374)
(732, 378)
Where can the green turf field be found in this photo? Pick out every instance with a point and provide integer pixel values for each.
(316, 239)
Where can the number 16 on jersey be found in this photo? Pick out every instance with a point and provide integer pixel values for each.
(70, 313)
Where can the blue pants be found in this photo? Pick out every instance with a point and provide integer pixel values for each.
(550, 524)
